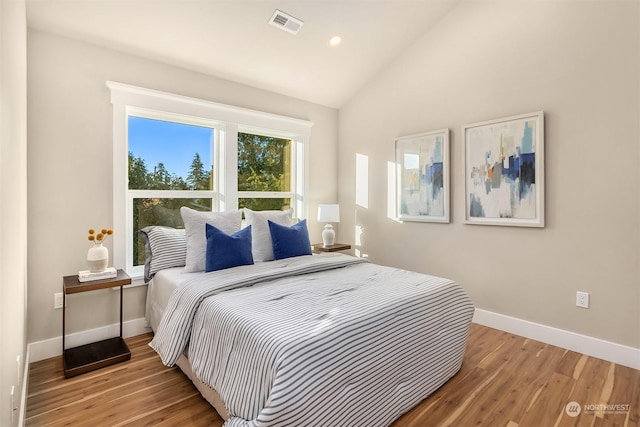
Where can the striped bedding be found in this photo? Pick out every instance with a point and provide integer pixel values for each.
(323, 340)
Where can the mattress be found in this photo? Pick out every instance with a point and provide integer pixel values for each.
(160, 288)
(353, 344)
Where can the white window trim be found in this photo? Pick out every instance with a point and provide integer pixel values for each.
(126, 98)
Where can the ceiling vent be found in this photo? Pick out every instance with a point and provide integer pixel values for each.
(285, 22)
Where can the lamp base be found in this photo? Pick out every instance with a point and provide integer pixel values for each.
(328, 235)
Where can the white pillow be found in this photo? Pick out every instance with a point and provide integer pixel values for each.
(261, 244)
(194, 225)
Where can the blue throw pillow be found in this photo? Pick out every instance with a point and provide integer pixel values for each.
(290, 241)
(226, 251)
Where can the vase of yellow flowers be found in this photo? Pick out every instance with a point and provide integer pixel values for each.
(98, 255)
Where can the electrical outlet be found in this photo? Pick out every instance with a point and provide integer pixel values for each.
(57, 300)
(582, 299)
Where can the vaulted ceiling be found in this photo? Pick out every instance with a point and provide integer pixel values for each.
(233, 40)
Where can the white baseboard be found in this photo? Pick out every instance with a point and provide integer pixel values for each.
(41, 350)
(606, 350)
(22, 418)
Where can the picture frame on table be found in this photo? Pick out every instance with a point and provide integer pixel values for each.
(504, 171)
(422, 176)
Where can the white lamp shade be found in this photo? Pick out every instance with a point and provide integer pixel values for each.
(328, 213)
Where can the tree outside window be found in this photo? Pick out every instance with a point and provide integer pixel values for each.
(264, 165)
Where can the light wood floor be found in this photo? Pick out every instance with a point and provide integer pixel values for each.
(505, 380)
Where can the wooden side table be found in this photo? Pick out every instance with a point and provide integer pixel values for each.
(88, 357)
(319, 247)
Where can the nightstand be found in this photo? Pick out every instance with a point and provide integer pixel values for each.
(88, 357)
(319, 247)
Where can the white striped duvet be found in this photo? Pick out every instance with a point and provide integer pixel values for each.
(355, 345)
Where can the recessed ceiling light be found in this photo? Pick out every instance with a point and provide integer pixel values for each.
(335, 41)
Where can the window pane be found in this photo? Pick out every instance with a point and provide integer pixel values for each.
(169, 156)
(159, 212)
(264, 163)
(265, 204)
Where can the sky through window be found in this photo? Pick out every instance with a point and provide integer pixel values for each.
(174, 144)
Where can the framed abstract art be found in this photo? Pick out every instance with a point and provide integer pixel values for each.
(504, 171)
(422, 162)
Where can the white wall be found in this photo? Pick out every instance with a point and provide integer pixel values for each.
(13, 204)
(70, 168)
(577, 61)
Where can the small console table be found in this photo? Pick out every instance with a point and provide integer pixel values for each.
(88, 357)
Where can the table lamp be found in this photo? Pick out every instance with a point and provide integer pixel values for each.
(328, 213)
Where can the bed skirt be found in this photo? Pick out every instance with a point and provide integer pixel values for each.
(207, 392)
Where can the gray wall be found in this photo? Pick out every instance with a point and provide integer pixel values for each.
(577, 61)
(70, 168)
(13, 203)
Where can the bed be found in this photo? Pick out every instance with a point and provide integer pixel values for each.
(310, 340)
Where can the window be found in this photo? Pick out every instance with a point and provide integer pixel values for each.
(170, 165)
(265, 168)
(172, 151)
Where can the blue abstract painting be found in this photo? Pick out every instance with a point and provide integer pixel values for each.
(504, 171)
